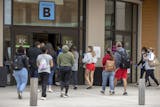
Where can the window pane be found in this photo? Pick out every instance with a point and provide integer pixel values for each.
(7, 44)
(7, 11)
(109, 14)
(108, 39)
(26, 12)
(123, 16)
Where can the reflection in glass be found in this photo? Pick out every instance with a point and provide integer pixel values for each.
(123, 16)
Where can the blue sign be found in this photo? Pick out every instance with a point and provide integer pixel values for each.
(47, 11)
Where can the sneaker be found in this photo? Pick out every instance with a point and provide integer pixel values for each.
(158, 86)
(90, 87)
(102, 92)
(125, 93)
(65, 96)
(19, 95)
(62, 94)
(111, 92)
(43, 98)
(50, 90)
(149, 85)
(75, 88)
(38, 90)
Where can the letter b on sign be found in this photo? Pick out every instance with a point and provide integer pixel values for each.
(47, 11)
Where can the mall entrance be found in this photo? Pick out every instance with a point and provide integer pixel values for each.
(26, 36)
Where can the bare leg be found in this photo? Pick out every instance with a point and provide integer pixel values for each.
(125, 84)
(87, 77)
(91, 77)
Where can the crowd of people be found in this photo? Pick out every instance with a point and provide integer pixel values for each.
(41, 61)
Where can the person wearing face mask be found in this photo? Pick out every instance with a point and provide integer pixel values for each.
(149, 68)
(142, 63)
(90, 60)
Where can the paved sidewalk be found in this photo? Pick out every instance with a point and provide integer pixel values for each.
(82, 98)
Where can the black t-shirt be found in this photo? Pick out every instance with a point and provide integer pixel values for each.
(33, 53)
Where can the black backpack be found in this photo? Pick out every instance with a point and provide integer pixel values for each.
(18, 62)
(125, 60)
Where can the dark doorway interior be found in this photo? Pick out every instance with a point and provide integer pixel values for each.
(53, 38)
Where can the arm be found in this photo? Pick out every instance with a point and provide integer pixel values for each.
(37, 61)
(84, 60)
(51, 63)
(58, 60)
(94, 59)
(151, 57)
(139, 62)
(72, 59)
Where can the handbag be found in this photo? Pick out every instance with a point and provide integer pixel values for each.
(110, 65)
(154, 62)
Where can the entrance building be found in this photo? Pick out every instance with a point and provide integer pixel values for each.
(81, 23)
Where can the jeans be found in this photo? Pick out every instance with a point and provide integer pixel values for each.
(142, 73)
(74, 78)
(105, 76)
(50, 79)
(44, 79)
(150, 73)
(65, 73)
(21, 77)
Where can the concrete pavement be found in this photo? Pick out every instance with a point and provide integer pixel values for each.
(82, 98)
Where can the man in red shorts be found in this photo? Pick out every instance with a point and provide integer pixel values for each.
(121, 73)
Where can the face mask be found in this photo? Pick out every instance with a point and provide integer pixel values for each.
(143, 52)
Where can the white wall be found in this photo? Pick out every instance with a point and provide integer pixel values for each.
(95, 30)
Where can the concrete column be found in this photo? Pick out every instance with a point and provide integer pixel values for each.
(141, 96)
(95, 30)
(158, 28)
(158, 43)
(1, 33)
(139, 34)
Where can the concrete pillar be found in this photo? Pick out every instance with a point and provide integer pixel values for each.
(139, 34)
(1, 33)
(158, 43)
(95, 30)
(33, 91)
(141, 92)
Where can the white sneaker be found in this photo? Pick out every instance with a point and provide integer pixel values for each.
(43, 98)
(65, 96)
(50, 90)
(62, 94)
(38, 90)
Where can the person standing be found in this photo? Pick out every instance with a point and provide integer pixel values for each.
(121, 58)
(65, 62)
(33, 53)
(53, 69)
(44, 63)
(108, 63)
(20, 66)
(142, 63)
(149, 68)
(75, 67)
(90, 60)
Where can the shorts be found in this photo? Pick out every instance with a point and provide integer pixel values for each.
(90, 67)
(121, 74)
